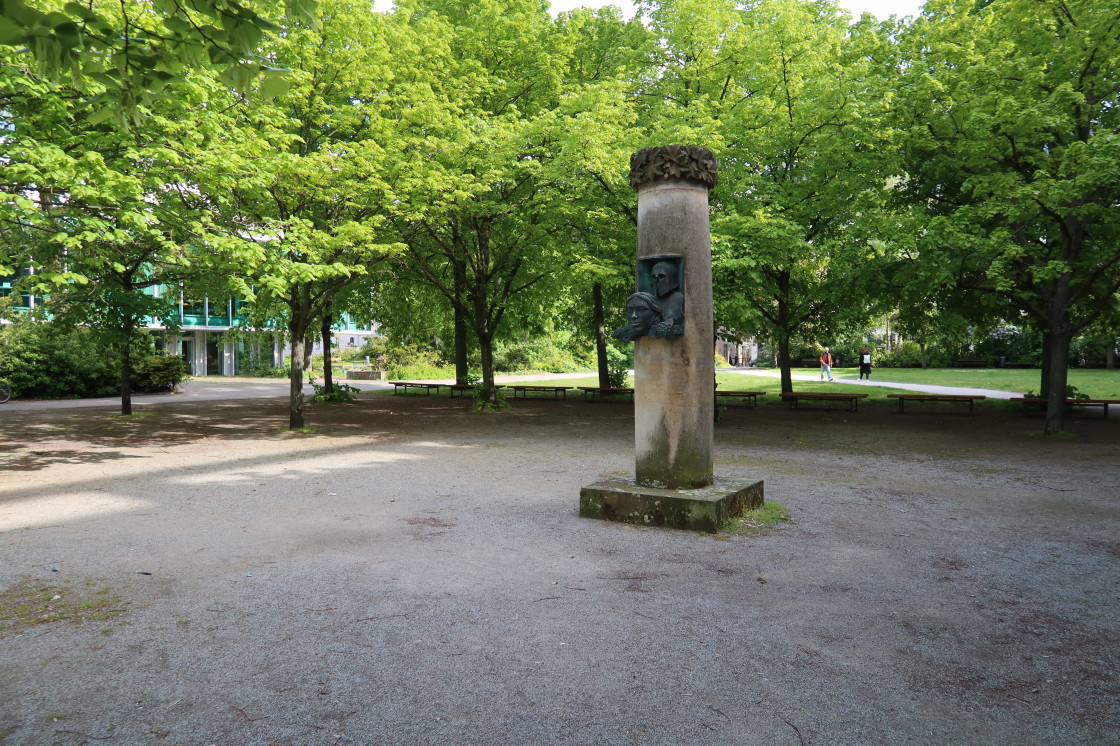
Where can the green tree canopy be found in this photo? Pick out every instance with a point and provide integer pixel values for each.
(1015, 155)
(485, 212)
(109, 222)
(123, 54)
(305, 180)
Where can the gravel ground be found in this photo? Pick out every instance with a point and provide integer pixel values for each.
(415, 573)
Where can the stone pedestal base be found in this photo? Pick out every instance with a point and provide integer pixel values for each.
(705, 509)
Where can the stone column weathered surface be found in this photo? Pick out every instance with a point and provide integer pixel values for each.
(670, 322)
(674, 378)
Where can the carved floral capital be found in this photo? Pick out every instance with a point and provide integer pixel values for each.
(673, 162)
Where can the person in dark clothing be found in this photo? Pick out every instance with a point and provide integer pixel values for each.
(864, 363)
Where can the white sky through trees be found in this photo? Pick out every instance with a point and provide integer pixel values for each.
(878, 8)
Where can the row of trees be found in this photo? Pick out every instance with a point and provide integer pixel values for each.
(459, 170)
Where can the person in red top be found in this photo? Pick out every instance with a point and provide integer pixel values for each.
(826, 364)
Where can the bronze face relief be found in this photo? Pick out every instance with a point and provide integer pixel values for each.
(657, 309)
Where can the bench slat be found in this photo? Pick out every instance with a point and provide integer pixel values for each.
(970, 398)
(1041, 400)
(852, 399)
(406, 385)
(750, 396)
(590, 392)
(558, 392)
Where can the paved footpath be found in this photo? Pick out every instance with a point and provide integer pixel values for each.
(204, 389)
(923, 387)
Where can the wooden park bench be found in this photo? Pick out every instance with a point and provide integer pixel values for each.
(1040, 401)
(462, 388)
(406, 385)
(558, 392)
(970, 398)
(971, 362)
(827, 396)
(749, 397)
(590, 392)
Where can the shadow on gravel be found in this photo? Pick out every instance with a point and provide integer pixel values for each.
(27, 459)
(32, 440)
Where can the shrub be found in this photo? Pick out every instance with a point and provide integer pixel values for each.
(420, 371)
(157, 372)
(340, 393)
(618, 365)
(404, 361)
(1011, 343)
(404, 357)
(46, 361)
(536, 354)
(1087, 352)
(355, 354)
(1072, 392)
(478, 395)
(264, 369)
(905, 355)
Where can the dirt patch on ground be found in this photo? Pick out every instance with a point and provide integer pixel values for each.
(415, 573)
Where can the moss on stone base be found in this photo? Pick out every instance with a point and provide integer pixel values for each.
(705, 509)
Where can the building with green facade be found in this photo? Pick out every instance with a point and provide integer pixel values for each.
(214, 337)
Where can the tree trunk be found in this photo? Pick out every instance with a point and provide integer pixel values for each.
(462, 369)
(784, 363)
(295, 398)
(783, 329)
(1059, 333)
(485, 336)
(1055, 393)
(126, 373)
(600, 336)
(1044, 372)
(325, 329)
(486, 354)
(1110, 355)
(925, 362)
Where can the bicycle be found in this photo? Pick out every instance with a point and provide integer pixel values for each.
(5, 391)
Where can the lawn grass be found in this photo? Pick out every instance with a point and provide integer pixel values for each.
(1097, 384)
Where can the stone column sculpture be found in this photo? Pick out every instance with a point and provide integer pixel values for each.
(674, 376)
(670, 322)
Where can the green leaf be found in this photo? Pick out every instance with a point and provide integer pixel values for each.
(274, 83)
(100, 115)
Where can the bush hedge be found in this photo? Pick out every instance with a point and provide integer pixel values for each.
(44, 361)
